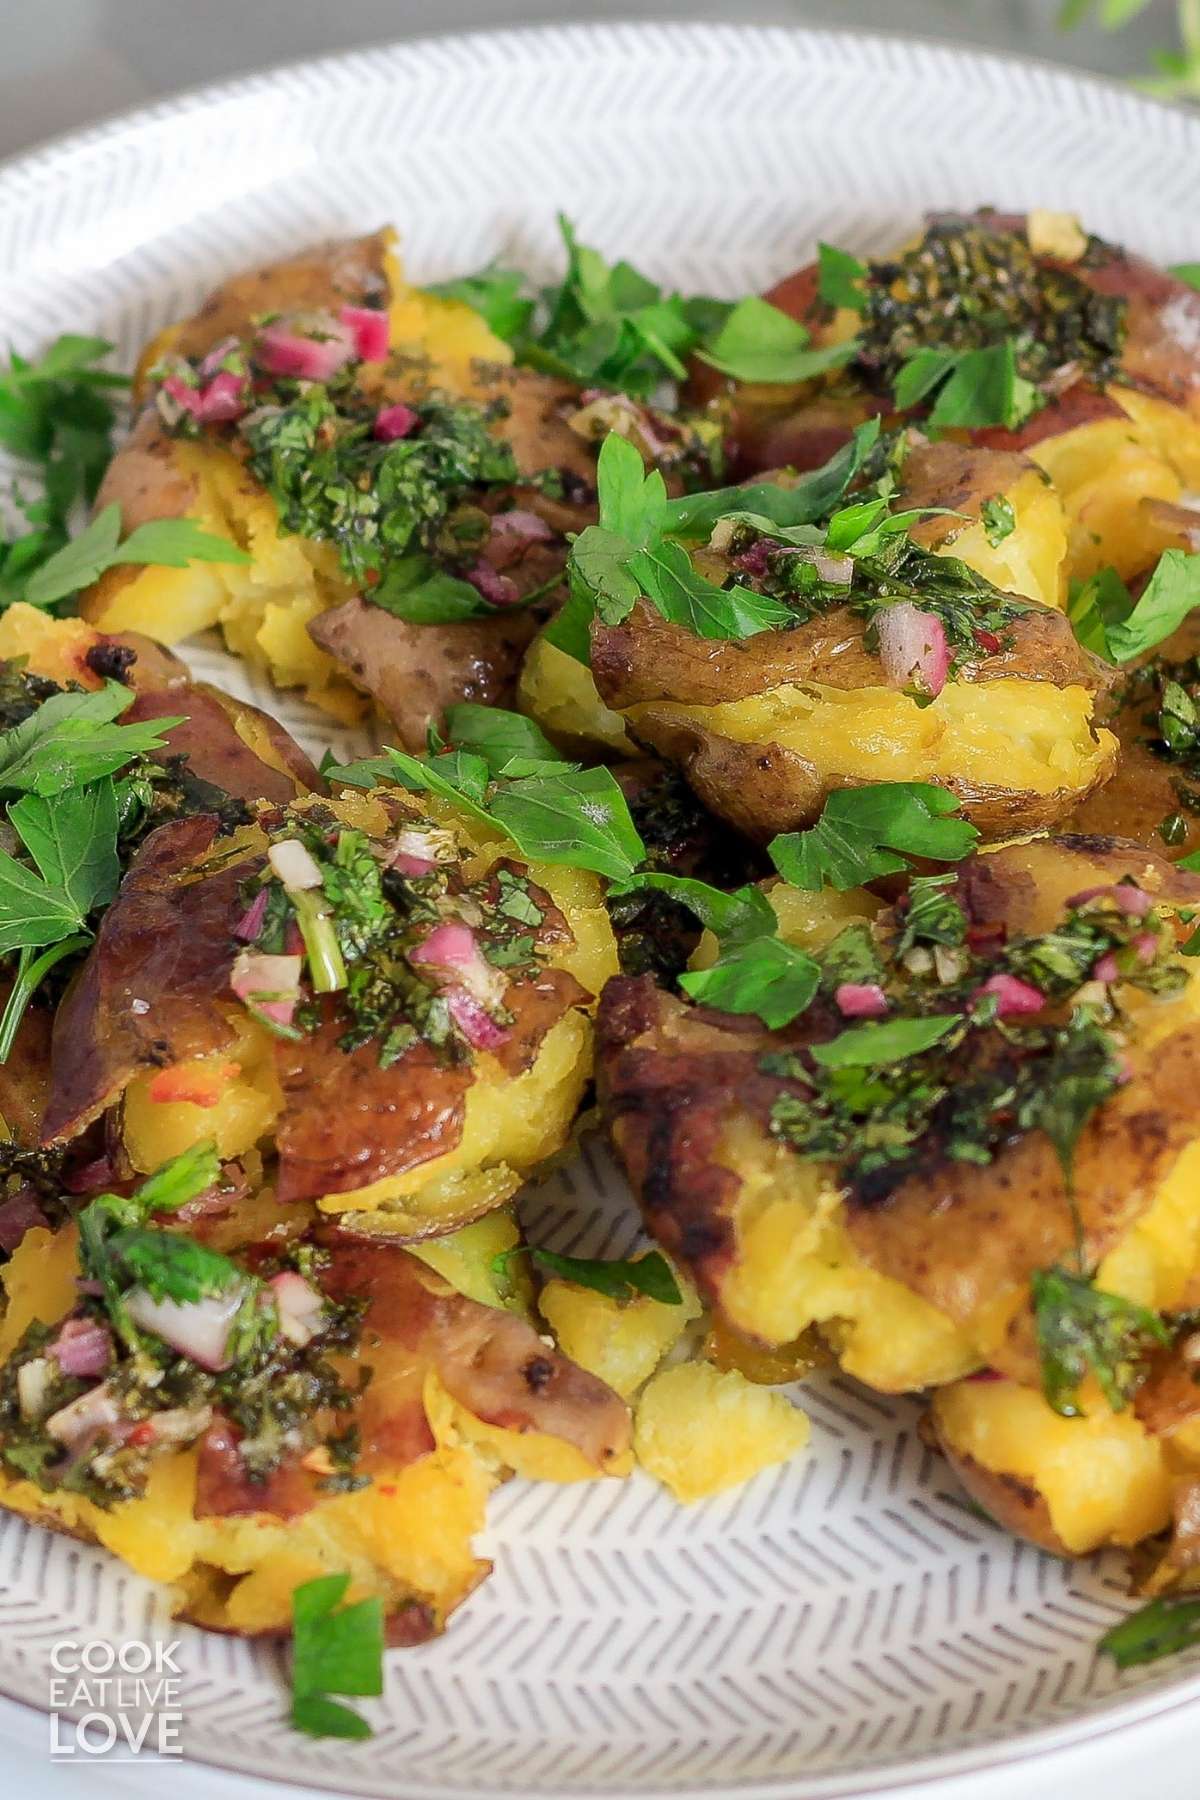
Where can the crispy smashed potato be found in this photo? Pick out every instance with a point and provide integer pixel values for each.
(291, 610)
(412, 1149)
(621, 1341)
(776, 1244)
(462, 1394)
(767, 727)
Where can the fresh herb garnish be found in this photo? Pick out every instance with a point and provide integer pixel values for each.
(1162, 1627)
(999, 519)
(56, 766)
(875, 1046)
(496, 294)
(759, 343)
(870, 831)
(508, 742)
(172, 542)
(619, 1280)
(973, 388)
(55, 416)
(969, 286)
(841, 278)
(336, 1649)
(1082, 1330)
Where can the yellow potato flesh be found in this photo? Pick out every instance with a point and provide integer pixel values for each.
(1029, 560)
(560, 693)
(1104, 1479)
(621, 1341)
(1020, 735)
(1105, 470)
(699, 1430)
(795, 1265)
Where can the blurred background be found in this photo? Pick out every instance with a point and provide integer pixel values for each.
(67, 63)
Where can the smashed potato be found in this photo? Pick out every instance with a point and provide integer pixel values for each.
(698, 1106)
(413, 1146)
(461, 1395)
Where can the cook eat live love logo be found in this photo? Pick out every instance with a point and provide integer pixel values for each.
(115, 1701)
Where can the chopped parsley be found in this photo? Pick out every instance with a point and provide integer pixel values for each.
(1082, 1330)
(650, 1274)
(871, 831)
(999, 519)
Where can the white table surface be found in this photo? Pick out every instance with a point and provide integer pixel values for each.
(68, 63)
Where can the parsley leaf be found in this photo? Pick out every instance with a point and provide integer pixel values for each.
(337, 1649)
(876, 1045)
(579, 818)
(1095, 605)
(693, 516)
(171, 1266)
(650, 1274)
(840, 278)
(759, 343)
(497, 736)
(1080, 1328)
(861, 830)
(173, 542)
(71, 740)
(495, 294)
(1172, 592)
(1188, 272)
(626, 556)
(73, 843)
(1162, 1627)
(766, 976)
(755, 971)
(973, 387)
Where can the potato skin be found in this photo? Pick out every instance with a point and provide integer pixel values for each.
(666, 682)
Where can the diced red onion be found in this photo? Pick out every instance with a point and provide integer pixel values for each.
(1146, 946)
(223, 397)
(308, 347)
(860, 1000)
(294, 864)
(299, 1305)
(497, 589)
(271, 983)
(18, 1214)
(392, 422)
(477, 1026)
(1105, 968)
(1124, 895)
(369, 328)
(837, 570)
(414, 852)
(198, 1329)
(913, 647)
(92, 1412)
(1124, 1071)
(250, 924)
(1013, 995)
(452, 947)
(82, 1347)
(756, 560)
(987, 1375)
(448, 946)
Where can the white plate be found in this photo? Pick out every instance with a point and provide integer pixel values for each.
(845, 1622)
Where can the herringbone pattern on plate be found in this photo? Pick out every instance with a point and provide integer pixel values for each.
(847, 1619)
